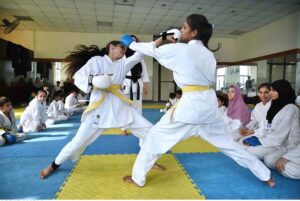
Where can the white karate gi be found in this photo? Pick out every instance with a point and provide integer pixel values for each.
(9, 125)
(284, 131)
(54, 113)
(258, 115)
(111, 114)
(127, 83)
(222, 109)
(71, 104)
(34, 115)
(196, 112)
(292, 168)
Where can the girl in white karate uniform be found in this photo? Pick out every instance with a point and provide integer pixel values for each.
(35, 115)
(286, 161)
(72, 103)
(8, 128)
(135, 83)
(281, 127)
(196, 113)
(53, 111)
(108, 108)
(259, 112)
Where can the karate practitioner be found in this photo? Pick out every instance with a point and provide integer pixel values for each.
(8, 128)
(108, 107)
(194, 70)
(259, 112)
(135, 83)
(286, 162)
(281, 126)
(35, 115)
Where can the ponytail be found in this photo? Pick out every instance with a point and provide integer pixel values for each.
(77, 58)
(204, 29)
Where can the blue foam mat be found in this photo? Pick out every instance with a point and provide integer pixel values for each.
(114, 144)
(21, 179)
(153, 115)
(219, 177)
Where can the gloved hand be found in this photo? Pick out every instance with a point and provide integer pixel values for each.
(126, 40)
(252, 141)
(9, 138)
(175, 32)
(101, 81)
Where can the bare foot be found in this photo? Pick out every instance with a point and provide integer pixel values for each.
(46, 172)
(271, 182)
(124, 132)
(128, 179)
(157, 166)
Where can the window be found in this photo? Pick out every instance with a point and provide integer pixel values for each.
(220, 78)
(57, 71)
(244, 73)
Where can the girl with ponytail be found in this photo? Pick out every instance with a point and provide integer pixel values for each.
(194, 70)
(101, 72)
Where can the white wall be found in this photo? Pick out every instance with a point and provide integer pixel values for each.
(278, 36)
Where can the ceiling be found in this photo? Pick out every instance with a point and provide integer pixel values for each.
(230, 17)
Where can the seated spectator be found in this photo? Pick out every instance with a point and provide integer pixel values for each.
(172, 101)
(8, 128)
(72, 104)
(281, 126)
(53, 111)
(259, 112)
(285, 161)
(222, 103)
(237, 110)
(35, 114)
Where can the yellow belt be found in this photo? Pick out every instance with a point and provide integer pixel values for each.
(114, 89)
(189, 88)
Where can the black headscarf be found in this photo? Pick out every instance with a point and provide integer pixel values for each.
(286, 95)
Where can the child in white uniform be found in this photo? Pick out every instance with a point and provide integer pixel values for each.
(72, 103)
(194, 68)
(108, 108)
(35, 115)
(172, 101)
(8, 128)
(53, 111)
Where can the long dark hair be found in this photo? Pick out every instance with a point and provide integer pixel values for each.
(204, 28)
(286, 95)
(77, 58)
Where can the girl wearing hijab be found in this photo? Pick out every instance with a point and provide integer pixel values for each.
(196, 113)
(237, 111)
(280, 130)
(100, 72)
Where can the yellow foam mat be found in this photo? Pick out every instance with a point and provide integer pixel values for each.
(153, 106)
(114, 131)
(194, 145)
(100, 177)
(18, 112)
